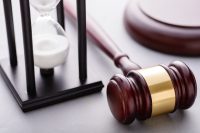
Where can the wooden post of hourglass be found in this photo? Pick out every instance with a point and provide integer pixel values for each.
(10, 32)
(60, 14)
(28, 46)
(82, 39)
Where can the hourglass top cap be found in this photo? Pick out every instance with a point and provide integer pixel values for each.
(135, 97)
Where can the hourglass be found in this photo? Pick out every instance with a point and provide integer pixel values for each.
(46, 46)
(50, 43)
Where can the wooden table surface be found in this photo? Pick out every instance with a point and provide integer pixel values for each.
(91, 114)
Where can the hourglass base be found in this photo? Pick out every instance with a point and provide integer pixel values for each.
(62, 86)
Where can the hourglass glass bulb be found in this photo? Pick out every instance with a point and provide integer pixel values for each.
(44, 6)
(50, 42)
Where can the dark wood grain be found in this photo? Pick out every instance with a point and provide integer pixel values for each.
(186, 87)
(161, 36)
(129, 97)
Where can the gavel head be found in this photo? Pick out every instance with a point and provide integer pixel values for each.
(152, 91)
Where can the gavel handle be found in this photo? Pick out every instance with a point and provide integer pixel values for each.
(104, 42)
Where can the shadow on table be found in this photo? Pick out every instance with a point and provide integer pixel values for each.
(158, 123)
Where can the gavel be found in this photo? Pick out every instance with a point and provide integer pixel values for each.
(141, 93)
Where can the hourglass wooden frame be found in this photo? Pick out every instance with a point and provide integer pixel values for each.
(30, 89)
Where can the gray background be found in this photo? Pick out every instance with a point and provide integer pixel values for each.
(91, 114)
